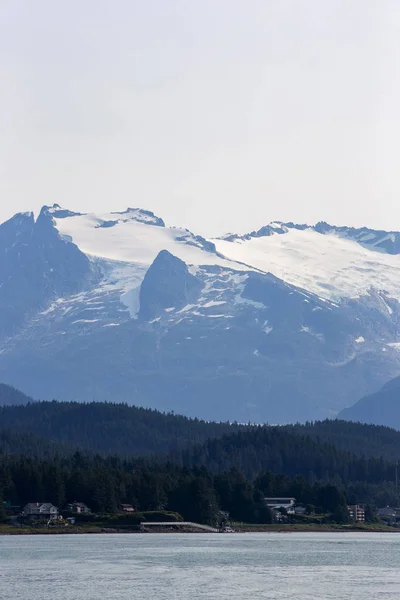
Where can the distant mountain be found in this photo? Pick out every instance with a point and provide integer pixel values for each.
(284, 324)
(382, 241)
(10, 396)
(381, 408)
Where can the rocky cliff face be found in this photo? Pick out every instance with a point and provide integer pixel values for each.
(167, 285)
(36, 267)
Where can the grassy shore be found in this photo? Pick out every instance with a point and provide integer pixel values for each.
(174, 528)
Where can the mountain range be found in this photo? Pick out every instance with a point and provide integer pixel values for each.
(284, 324)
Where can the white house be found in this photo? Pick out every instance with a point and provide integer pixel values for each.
(40, 510)
(276, 503)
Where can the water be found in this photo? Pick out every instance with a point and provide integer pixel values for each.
(294, 566)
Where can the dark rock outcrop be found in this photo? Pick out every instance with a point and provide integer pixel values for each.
(167, 284)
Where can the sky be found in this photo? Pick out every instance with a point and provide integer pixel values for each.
(218, 115)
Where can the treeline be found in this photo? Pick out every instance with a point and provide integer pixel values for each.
(108, 428)
(196, 493)
(186, 464)
(251, 451)
(274, 449)
(28, 444)
(126, 431)
(358, 438)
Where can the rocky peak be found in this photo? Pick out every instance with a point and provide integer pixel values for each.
(140, 215)
(36, 266)
(167, 284)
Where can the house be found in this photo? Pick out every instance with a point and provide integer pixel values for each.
(277, 516)
(356, 513)
(281, 503)
(40, 510)
(389, 514)
(79, 507)
(127, 508)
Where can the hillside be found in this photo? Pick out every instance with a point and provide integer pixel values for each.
(109, 428)
(21, 443)
(197, 494)
(232, 472)
(288, 323)
(127, 430)
(381, 408)
(273, 449)
(358, 438)
(10, 396)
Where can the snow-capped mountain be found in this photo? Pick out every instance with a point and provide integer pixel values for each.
(287, 323)
(333, 262)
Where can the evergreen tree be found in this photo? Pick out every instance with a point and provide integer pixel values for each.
(370, 515)
(2, 507)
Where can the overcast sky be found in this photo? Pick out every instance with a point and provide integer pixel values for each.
(218, 115)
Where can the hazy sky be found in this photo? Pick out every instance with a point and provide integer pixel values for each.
(220, 115)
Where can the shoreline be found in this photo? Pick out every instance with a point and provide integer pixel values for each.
(180, 530)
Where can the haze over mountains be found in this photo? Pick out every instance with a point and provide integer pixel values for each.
(288, 323)
(380, 408)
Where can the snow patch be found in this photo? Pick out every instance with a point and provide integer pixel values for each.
(240, 300)
(85, 321)
(330, 266)
(187, 308)
(131, 300)
(213, 303)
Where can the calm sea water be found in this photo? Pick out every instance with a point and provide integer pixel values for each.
(295, 566)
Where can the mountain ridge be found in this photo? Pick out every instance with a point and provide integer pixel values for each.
(379, 240)
(282, 327)
(381, 407)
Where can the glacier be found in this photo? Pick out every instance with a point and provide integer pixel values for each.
(290, 322)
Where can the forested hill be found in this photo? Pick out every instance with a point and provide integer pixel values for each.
(109, 428)
(104, 483)
(126, 431)
(250, 450)
(21, 443)
(11, 396)
(358, 438)
(39, 442)
(274, 449)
